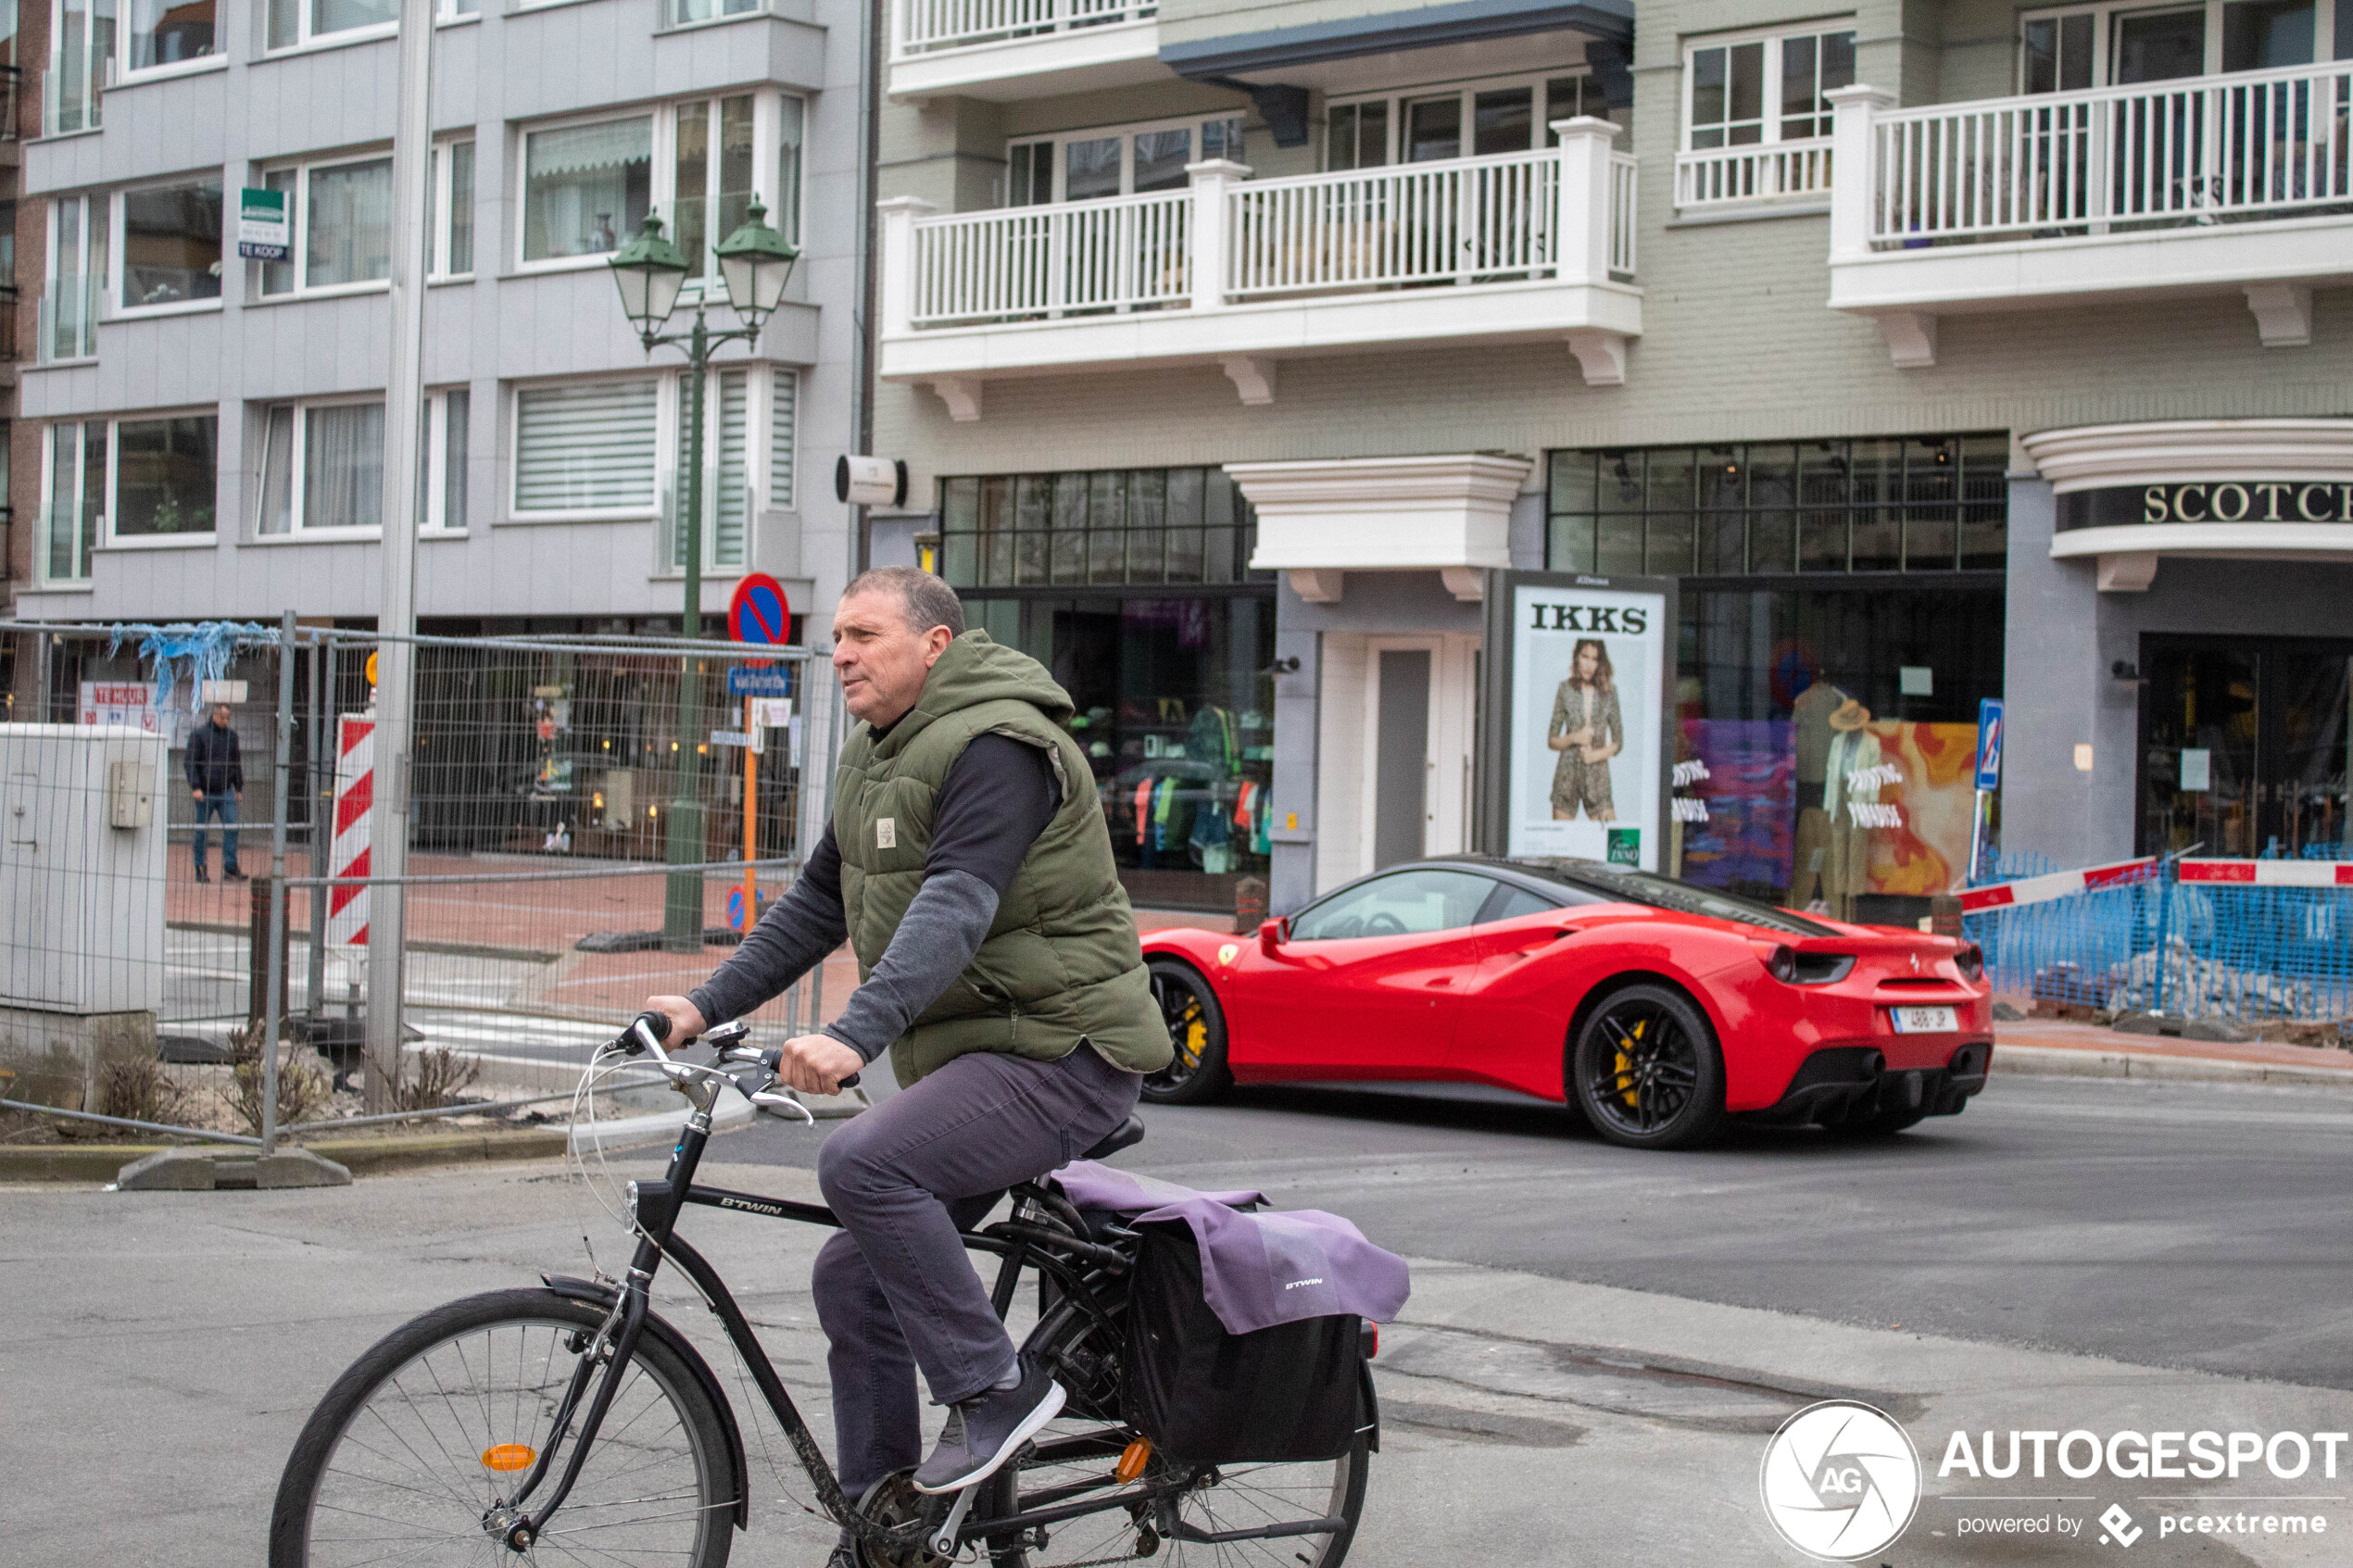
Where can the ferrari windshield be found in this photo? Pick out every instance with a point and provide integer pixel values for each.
(1619, 884)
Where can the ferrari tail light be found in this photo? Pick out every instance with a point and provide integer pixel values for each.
(1782, 965)
(1971, 960)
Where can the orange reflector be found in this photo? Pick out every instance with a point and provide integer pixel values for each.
(1133, 1460)
(509, 1456)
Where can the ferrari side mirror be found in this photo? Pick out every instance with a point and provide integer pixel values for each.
(1272, 935)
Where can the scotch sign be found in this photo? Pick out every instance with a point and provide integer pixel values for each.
(2249, 501)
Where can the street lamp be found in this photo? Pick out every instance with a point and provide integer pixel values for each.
(754, 263)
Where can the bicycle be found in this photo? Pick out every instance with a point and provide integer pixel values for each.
(573, 1423)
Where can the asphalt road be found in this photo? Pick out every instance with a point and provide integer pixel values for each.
(2193, 1225)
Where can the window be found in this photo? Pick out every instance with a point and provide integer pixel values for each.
(441, 461)
(696, 164)
(2084, 46)
(686, 13)
(1510, 903)
(322, 467)
(450, 210)
(1512, 115)
(1933, 503)
(587, 449)
(168, 32)
(171, 245)
(1401, 904)
(1750, 91)
(1127, 160)
(77, 278)
(294, 23)
(74, 499)
(166, 476)
(341, 222)
(784, 412)
(81, 61)
(1117, 525)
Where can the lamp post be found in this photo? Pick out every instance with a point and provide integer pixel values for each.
(754, 263)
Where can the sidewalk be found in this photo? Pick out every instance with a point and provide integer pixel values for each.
(2088, 1050)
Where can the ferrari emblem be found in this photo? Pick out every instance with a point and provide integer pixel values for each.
(1916, 963)
(1225, 954)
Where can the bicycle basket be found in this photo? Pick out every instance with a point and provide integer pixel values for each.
(1282, 1395)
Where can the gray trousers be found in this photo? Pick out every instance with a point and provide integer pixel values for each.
(896, 1290)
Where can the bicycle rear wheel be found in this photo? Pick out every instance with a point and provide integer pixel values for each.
(416, 1447)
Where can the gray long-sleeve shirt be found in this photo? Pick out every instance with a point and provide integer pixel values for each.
(994, 803)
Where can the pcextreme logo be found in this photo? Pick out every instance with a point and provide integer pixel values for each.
(1840, 1480)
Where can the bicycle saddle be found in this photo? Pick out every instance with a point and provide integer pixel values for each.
(1127, 1135)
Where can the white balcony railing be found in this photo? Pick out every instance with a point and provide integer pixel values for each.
(1758, 173)
(1623, 170)
(1465, 220)
(2197, 150)
(929, 25)
(1045, 262)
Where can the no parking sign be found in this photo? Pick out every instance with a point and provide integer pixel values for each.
(759, 612)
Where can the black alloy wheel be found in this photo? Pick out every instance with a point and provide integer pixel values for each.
(1646, 1071)
(1196, 1032)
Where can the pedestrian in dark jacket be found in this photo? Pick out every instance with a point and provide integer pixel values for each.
(217, 781)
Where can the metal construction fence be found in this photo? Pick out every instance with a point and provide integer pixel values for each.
(586, 816)
(2252, 942)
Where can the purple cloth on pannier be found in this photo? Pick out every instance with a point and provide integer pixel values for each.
(1257, 1270)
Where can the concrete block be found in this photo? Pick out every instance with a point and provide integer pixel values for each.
(2146, 1023)
(230, 1170)
(2220, 1031)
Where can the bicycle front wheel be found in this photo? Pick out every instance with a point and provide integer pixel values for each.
(417, 1449)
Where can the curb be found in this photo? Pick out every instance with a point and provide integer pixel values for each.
(2061, 1062)
(656, 1126)
(100, 1163)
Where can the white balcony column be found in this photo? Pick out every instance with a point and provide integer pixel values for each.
(1580, 228)
(1853, 174)
(898, 215)
(1211, 179)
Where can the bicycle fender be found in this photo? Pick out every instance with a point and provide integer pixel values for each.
(601, 1296)
(1372, 1403)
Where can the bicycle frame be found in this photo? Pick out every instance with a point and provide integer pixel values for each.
(1019, 1244)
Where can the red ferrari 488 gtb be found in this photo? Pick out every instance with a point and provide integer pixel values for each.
(1654, 1008)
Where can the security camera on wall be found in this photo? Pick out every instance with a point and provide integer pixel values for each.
(871, 481)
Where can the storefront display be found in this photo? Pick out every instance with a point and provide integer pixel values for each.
(1166, 651)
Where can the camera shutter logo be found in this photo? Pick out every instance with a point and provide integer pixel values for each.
(1840, 1481)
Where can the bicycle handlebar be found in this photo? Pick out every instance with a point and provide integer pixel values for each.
(649, 1029)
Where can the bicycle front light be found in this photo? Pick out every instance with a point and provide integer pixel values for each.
(648, 1204)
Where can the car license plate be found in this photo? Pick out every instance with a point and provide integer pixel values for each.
(1926, 1020)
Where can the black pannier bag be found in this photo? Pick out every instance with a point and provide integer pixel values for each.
(1278, 1395)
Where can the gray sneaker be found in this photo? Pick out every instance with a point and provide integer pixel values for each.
(982, 1433)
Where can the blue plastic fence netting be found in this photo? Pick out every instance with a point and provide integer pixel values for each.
(203, 647)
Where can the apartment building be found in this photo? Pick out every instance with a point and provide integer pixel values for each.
(22, 37)
(1940, 350)
(201, 435)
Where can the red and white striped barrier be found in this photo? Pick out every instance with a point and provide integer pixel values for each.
(2270, 874)
(355, 793)
(2057, 885)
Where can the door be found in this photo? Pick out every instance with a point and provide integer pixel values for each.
(2246, 744)
(1400, 757)
(1370, 982)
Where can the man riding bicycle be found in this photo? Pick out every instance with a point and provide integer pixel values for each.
(968, 863)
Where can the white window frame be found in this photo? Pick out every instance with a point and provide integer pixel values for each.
(443, 173)
(2106, 14)
(1396, 98)
(85, 547)
(110, 540)
(298, 231)
(94, 207)
(306, 39)
(1773, 37)
(767, 164)
(117, 227)
(1126, 131)
(126, 73)
(665, 451)
(433, 475)
(298, 460)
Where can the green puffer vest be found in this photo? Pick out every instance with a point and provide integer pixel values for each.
(1060, 962)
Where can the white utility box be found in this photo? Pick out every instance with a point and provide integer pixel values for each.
(83, 860)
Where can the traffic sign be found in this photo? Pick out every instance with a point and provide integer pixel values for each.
(757, 612)
(1989, 745)
(745, 680)
(735, 907)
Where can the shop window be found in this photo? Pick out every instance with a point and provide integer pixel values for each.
(171, 245)
(1117, 526)
(1757, 89)
(1770, 508)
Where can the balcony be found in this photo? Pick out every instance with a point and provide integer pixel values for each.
(1781, 176)
(1519, 247)
(2201, 186)
(1010, 49)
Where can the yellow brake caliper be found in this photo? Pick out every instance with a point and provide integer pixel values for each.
(1626, 1066)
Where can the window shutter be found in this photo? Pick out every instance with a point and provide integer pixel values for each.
(727, 533)
(781, 417)
(585, 448)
